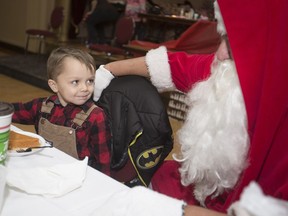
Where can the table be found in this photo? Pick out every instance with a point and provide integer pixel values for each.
(172, 19)
(136, 50)
(158, 27)
(96, 188)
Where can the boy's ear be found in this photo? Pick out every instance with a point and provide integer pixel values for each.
(53, 85)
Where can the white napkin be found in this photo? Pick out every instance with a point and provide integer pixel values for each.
(54, 181)
(254, 203)
(139, 201)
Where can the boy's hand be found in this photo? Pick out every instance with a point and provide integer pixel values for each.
(103, 78)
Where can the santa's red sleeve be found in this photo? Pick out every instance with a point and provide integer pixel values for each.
(170, 71)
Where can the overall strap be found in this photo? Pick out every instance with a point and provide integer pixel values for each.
(47, 107)
(82, 116)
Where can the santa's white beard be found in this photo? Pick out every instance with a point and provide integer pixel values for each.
(214, 139)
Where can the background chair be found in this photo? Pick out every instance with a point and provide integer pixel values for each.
(56, 20)
(124, 31)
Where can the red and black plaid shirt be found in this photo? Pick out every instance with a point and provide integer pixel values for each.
(93, 137)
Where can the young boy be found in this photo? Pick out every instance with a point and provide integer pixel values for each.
(69, 118)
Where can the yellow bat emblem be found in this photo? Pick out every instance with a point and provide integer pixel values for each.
(150, 158)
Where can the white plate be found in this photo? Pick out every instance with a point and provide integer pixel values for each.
(41, 141)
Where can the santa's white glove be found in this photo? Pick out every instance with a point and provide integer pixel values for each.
(103, 78)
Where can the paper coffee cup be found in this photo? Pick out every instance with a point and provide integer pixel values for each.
(6, 112)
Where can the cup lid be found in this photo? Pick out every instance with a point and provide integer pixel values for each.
(6, 108)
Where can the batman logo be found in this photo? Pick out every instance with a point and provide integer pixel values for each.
(149, 158)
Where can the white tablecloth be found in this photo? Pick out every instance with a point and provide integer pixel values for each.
(96, 189)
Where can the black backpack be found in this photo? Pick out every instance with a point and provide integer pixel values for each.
(140, 127)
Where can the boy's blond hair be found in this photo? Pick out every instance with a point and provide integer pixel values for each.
(55, 60)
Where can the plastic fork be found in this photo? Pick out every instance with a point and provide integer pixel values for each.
(29, 149)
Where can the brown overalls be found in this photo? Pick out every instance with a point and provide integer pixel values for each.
(63, 138)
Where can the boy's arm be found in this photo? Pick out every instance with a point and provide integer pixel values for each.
(26, 113)
(100, 139)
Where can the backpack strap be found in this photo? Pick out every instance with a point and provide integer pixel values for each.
(82, 116)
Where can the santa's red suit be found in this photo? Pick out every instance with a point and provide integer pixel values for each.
(257, 32)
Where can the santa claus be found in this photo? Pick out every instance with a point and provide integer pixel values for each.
(236, 127)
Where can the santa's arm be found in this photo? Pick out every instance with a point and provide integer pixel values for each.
(192, 210)
(167, 70)
(134, 66)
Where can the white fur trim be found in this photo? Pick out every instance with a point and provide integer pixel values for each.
(159, 69)
(220, 23)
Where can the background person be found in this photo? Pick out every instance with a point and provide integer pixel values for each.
(99, 14)
(132, 9)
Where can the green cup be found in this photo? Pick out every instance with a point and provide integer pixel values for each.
(6, 112)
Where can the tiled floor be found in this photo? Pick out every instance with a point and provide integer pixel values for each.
(12, 90)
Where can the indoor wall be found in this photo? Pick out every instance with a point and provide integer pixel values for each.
(19, 15)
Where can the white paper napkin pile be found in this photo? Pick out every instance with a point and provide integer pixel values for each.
(54, 181)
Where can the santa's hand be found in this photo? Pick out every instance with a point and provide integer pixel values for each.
(103, 78)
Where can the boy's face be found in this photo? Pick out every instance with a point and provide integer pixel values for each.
(75, 84)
